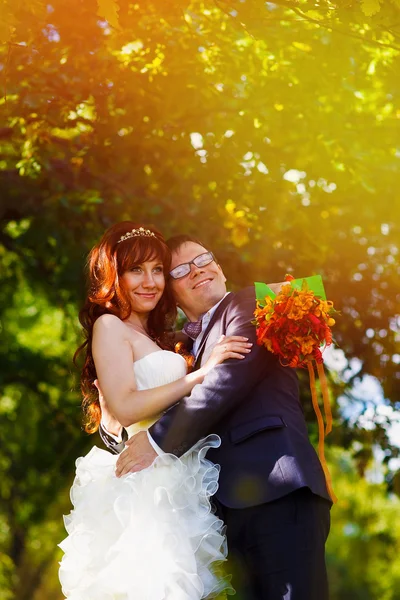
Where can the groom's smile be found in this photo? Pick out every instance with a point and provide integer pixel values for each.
(202, 287)
(204, 282)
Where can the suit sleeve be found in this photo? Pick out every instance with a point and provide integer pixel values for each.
(224, 387)
(114, 446)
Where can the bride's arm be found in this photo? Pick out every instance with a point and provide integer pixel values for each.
(113, 357)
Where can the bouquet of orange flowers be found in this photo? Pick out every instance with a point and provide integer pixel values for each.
(294, 324)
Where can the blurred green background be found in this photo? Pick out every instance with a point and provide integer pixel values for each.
(269, 130)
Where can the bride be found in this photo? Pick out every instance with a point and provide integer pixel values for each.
(150, 535)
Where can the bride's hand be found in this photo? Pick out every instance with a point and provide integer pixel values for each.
(234, 346)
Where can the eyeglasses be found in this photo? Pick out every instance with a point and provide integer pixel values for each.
(184, 269)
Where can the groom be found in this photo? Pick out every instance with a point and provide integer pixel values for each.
(272, 493)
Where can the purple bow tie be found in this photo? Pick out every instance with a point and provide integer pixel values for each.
(193, 329)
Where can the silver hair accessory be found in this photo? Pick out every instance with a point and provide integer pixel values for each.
(141, 232)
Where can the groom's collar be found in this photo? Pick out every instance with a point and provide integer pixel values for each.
(206, 318)
(216, 312)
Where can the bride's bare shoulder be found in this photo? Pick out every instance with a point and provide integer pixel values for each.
(108, 323)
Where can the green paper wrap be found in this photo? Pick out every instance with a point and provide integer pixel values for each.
(313, 283)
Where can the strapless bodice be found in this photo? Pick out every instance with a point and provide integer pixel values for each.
(153, 370)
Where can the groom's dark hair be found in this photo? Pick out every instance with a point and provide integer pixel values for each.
(176, 241)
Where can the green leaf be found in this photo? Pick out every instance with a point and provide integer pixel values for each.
(313, 283)
(263, 290)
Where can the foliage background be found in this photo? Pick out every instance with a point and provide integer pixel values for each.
(271, 131)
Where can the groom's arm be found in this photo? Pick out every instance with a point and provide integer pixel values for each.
(223, 388)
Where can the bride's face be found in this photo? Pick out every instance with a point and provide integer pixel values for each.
(145, 284)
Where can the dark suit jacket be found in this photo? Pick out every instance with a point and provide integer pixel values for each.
(253, 405)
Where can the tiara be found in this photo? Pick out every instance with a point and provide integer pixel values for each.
(141, 232)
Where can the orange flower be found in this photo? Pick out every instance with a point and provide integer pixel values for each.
(296, 313)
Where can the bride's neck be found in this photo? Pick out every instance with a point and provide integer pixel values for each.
(139, 321)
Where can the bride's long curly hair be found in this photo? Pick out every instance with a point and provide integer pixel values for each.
(107, 262)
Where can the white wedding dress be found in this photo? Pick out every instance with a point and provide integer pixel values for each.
(150, 535)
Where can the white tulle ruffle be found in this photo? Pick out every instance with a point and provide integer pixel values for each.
(147, 536)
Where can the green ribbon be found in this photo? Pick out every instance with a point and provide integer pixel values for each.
(313, 283)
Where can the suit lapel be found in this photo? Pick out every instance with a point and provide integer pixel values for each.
(214, 318)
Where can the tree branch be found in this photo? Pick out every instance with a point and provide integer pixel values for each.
(343, 32)
(304, 17)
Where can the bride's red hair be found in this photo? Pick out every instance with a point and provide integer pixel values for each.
(107, 261)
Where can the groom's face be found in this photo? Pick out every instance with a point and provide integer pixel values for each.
(202, 288)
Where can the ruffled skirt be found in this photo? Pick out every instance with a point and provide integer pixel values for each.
(150, 535)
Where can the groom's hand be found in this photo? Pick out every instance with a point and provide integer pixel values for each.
(138, 455)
